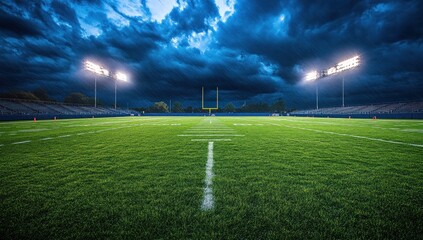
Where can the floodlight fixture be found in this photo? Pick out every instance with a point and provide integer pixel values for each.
(339, 67)
(348, 64)
(92, 67)
(311, 76)
(121, 77)
(345, 65)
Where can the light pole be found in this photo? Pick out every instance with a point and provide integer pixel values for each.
(317, 95)
(338, 68)
(342, 66)
(92, 67)
(119, 77)
(313, 76)
(343, 92)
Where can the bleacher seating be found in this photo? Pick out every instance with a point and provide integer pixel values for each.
(411, 107)
(35, 108)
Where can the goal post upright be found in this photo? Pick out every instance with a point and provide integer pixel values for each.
(202, 100)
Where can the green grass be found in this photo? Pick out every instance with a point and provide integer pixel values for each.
(285, 178)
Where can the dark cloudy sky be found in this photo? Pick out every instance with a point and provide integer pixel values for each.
(254, 50)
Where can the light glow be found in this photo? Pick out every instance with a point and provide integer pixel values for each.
(331, 71)
(121, 77)
(348, 64)
(311, 76)
(92, 67)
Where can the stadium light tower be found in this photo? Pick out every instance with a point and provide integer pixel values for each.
(119, 77)
(92, 67)
(313, 76)
(338, 68)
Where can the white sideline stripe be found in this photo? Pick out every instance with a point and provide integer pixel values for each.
(80, 134)
(63, 136)
(1, 145)
(207, 140)
(208, 201)
(211, 135)
(22, 142)
(356, 136)
(47, 138)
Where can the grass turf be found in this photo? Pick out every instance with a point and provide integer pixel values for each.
(281, 177)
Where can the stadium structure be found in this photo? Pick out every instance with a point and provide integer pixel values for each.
(19, 109)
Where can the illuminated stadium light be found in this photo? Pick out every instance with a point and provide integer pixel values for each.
(119, 77)
(92, 67)
(331, 71)
(311, 76)
(339, 67)
(348, 64)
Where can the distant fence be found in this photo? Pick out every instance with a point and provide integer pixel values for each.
(418, 115)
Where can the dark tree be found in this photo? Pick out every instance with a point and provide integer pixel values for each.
(229, 107)
(278, 106)
(41, 94)
(177, 107)
(77, 98)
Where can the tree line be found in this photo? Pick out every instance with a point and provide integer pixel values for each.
(277, 106)
(41, 94)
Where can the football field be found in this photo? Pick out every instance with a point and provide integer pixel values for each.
(211, 178)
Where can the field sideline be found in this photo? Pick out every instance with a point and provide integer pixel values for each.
(211, 178)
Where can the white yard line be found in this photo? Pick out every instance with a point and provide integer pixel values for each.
(45, 139)
(208, 200)
(214, 139)
(21, 142)
(215, 131)
(63, 136)
(356, 136)
(211, 135)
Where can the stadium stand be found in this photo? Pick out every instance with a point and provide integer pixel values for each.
(392, 108)
(21, 108)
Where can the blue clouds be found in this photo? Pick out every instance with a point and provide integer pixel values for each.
(254, 50)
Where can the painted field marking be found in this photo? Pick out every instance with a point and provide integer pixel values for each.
(208, 200)
(206, 127)
(208, 140)
(194, 131)
(27, 141)
(211, 135)
(34, 130)
(1, 145)
(356, 136)
(63, 136)
(45, 139)
(210, 132)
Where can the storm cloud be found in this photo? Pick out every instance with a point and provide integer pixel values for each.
(253, 50)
